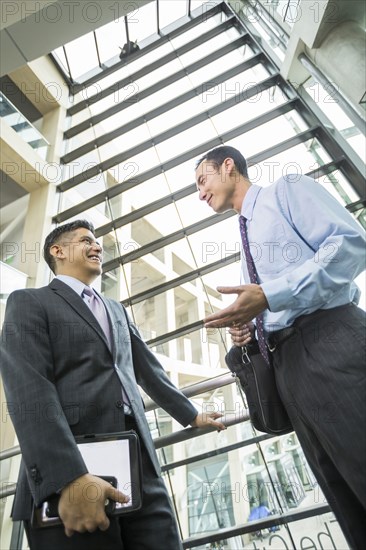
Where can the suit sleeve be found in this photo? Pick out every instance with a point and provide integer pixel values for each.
(50, 454)
(152, 378)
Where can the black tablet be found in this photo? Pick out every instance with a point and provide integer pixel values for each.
(114, 457)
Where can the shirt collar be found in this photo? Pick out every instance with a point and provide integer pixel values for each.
(73, 283)
(249, 201)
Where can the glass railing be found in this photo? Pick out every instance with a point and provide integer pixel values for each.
(217, 489)
(10, 279)
(22, 126)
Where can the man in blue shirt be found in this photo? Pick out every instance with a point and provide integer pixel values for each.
(307, 251)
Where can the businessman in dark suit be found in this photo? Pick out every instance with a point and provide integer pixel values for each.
(64, 375)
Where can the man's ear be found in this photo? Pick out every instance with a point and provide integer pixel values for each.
(56, 251)
(229, 165)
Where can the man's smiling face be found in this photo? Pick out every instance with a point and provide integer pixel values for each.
(215, 186)
(79, 255)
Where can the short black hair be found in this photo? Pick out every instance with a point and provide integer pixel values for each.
(219, 154)
(55, 237)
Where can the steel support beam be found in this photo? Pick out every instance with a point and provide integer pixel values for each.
(119, 107)
(149, 44)
(162, 109)
(121, 157)
(181, 280)
(171, 56)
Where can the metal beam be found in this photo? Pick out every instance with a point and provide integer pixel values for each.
(216, 452)
(119, 188)
(113, 88)
(118, 107)
(148, 45)
(189, 433)
(147, 209)
(121, 157)
(181, 280)
(357, 120)
(254, 526)
(162, 109)
(164, 241)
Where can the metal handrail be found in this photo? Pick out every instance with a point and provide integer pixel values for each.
(198, 388)
(257, 525)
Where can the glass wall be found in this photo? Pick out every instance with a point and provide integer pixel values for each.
(129, 168)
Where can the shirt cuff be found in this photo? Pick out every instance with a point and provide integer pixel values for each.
(279, 296)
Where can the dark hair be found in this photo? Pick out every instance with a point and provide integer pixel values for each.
(219, 154)
(55, 237)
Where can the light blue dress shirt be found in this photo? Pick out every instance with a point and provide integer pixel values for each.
(306, 246)
(75, 284)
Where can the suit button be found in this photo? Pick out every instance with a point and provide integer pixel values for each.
(119, 404)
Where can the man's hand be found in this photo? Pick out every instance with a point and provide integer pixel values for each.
(82, 502)
(205, 420)
(242, 335)
(250, 302)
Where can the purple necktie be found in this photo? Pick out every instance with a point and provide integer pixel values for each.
(97, 308)
(253, 279)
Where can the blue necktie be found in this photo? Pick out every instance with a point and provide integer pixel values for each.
(253, 279)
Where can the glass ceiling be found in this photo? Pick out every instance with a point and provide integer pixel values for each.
(102, 47)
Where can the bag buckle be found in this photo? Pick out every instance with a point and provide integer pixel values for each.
(244, 355)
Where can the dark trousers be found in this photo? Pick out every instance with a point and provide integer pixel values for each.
(151, 528)
(321, 376)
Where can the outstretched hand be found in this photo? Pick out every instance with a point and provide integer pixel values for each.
(250, 302)
(205, 420)
(82, 504)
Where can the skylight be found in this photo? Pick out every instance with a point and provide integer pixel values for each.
(101, 48)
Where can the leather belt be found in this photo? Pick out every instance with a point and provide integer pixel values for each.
(278, 337)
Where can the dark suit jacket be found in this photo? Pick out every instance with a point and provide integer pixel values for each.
(60, 380)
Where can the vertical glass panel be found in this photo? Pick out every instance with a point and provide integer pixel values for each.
(215, 242)
(198, 30)
(264, 136)
(339, 187)
(147, 272)
(158, 74)
(98, 215)
(82, 55)
(118, 145)
(142, 22)
(165, 94)
(178, 144)
(110, 39)
(83, 191)
(328, 103)
(138, 163)
(295, 160)
(141, 195)
(192, 210)
(61, 59)
(181, 175)
(206, 48)
(125, 94)
(155, 55)
(229, 60)
(170, 11)
(247, 110)
(268, 32)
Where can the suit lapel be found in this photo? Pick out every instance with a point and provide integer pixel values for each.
(79, 306)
